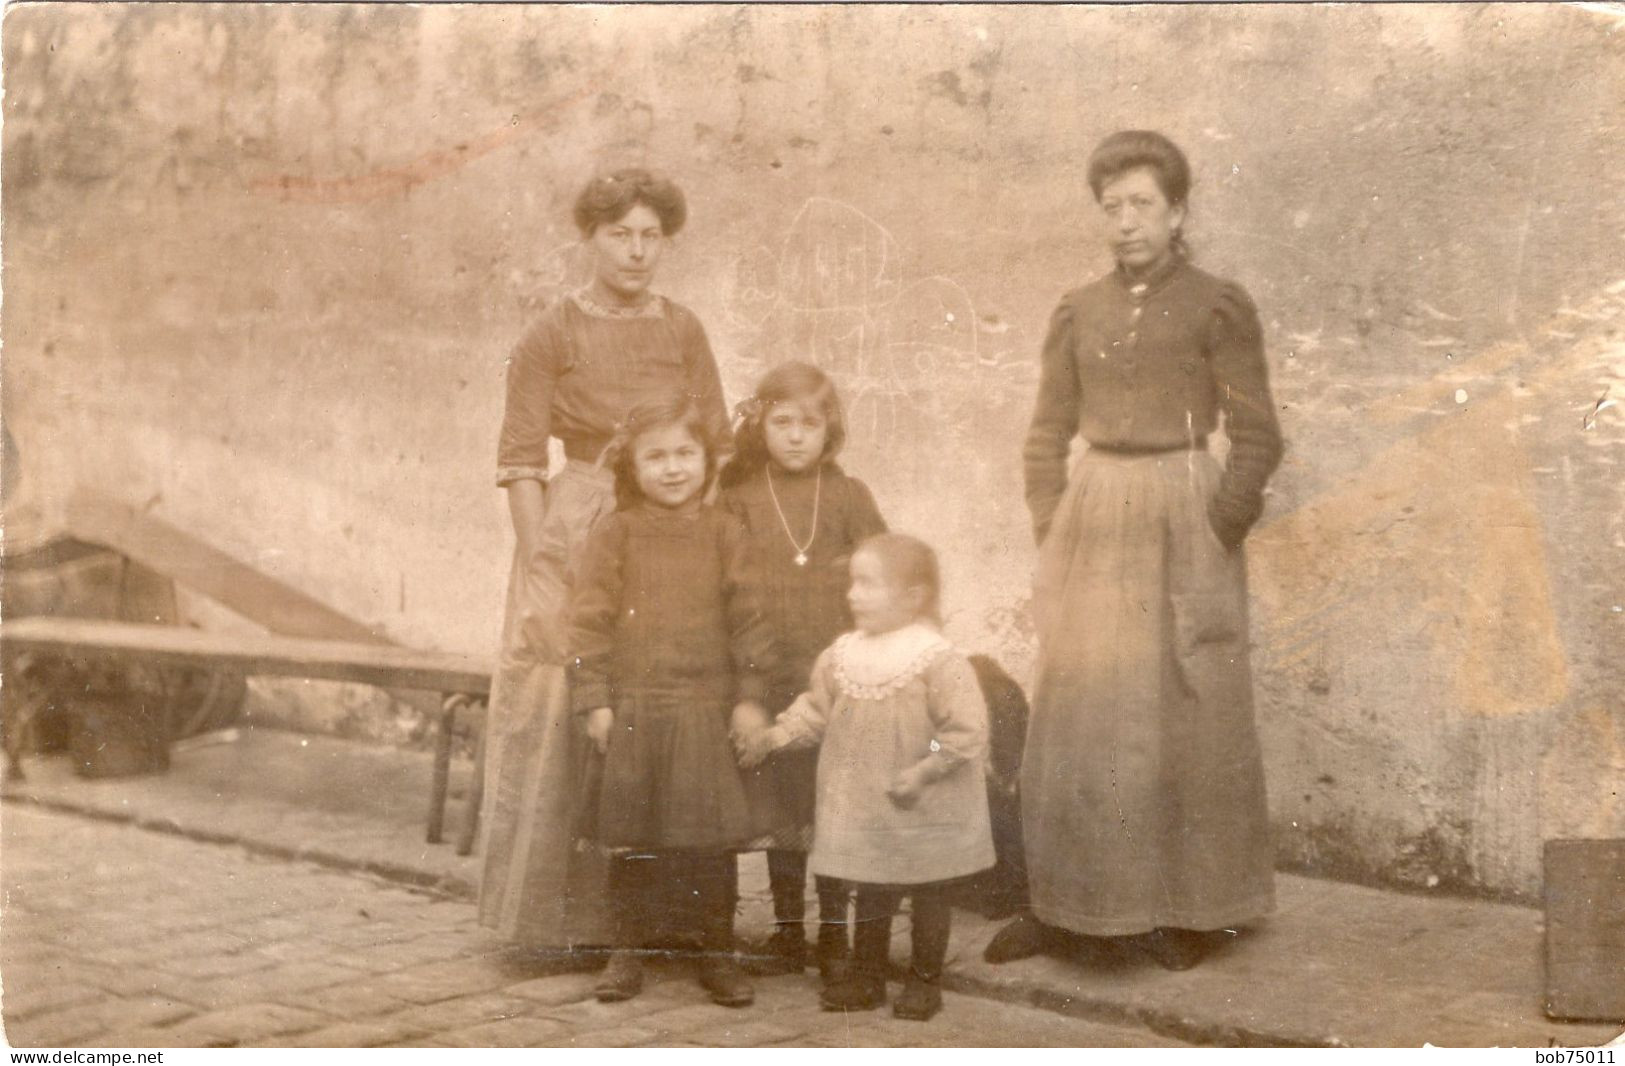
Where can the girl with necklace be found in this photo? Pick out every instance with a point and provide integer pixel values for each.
(804, 518)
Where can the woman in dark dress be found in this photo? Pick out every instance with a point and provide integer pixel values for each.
(589, 359)
(1142, 784)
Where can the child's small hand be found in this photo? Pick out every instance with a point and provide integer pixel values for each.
(749, 717)
(600, 720)
(753, 747)
(905, 789)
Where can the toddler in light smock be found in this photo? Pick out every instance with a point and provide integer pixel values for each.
(902, 805)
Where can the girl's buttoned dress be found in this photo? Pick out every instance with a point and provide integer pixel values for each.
(574, 375)
(879, 705)
(1142, 784)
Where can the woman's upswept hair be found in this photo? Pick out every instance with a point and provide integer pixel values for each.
(909, 563)
(786, 383)
(674, 410)
(1127, 149)
(609, 197)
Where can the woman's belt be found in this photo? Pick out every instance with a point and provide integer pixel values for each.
(585, 449)
(1196, 444)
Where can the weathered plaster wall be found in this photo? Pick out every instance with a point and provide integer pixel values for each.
(262, 267)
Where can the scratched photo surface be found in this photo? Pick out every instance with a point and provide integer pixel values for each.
(264, 266)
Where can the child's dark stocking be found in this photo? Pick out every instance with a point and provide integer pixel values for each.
(628, 898)
(834, 954)
(865, 987)
(787, 875)
(714, 879)
(786, 950)
(931, 917)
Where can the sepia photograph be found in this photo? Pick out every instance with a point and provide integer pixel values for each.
(812, 525)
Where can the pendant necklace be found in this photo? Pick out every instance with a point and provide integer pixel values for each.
(818, 489)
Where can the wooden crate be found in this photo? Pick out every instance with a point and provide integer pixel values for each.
(1585, 930)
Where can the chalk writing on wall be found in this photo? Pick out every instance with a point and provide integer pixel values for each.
(911, 355)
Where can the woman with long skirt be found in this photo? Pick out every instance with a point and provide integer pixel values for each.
(1143, 803)
(591, 358)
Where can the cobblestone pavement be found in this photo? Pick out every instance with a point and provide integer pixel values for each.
(117, 936)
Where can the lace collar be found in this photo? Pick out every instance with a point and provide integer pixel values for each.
(875, 667)
(653, 307)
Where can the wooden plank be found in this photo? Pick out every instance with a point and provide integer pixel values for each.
(1585, 929)
(386, 665)
(279, 607)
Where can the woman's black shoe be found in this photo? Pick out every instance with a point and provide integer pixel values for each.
(1023, 938)
(1176, 949)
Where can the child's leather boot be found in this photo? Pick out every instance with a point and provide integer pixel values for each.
(727, 983)
(921, 998)
(865, 987)
(834, 956)
(783, 952)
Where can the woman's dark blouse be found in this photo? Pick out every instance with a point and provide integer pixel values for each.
(807, 604)
(582, 367)
(1149, 366)
(665, 604)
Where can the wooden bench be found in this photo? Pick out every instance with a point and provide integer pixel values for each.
(463, 681)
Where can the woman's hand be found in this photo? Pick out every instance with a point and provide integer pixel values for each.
(527, 506)
(1224, 532)
(905, 788)
(600, 720)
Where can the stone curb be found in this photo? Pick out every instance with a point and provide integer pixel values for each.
(449, 887)
(1199, 1031)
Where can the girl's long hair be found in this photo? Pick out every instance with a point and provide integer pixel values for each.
(786, 383)
(674, 410)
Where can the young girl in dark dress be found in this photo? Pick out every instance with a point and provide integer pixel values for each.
(667, 637)
(804, 517)
(590, 358)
